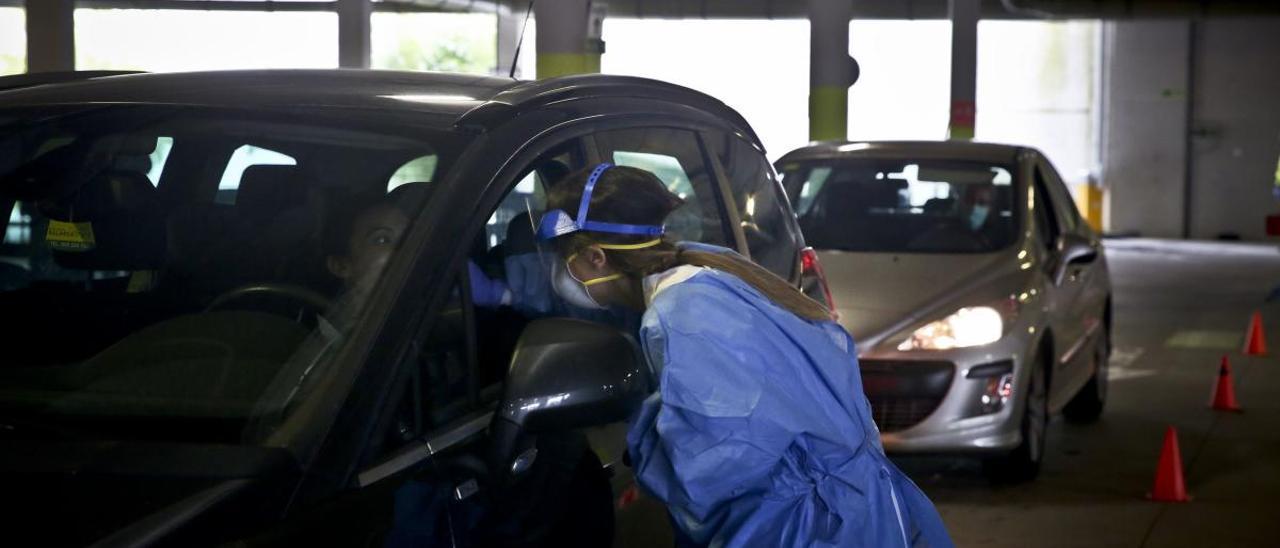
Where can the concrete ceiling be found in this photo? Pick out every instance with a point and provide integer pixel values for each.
(767, 9)
(938, 9)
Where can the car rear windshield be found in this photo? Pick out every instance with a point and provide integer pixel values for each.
(904, 206)
(183, 272)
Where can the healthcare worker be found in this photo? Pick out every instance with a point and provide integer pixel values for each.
(759, 434)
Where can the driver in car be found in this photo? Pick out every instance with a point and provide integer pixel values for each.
(977, 207)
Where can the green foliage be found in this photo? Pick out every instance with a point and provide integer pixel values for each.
(12, 64)
(454, 54)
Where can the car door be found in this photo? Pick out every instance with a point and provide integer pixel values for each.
(1083, 279)
(1065, 309)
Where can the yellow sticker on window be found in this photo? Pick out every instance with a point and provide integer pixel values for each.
(64, 236)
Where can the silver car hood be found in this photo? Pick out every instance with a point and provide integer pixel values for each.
(877, 294)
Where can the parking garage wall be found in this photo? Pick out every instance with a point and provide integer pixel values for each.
(1235, 130)
(1191, 131)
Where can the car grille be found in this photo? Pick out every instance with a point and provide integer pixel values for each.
(903, 393)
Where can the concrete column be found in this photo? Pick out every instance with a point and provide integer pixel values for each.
(1235, 129)
(510, 27)
(1144, 134)
(569, 37)
(51, 37)
(964, 67)
(831, 70)
(354, 49)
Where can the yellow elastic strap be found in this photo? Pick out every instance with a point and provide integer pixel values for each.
(602, 279)
(622, 247)
(640, 245)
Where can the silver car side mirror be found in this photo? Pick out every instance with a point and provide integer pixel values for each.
(1073, 250)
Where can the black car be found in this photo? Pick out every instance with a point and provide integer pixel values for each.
(190, 356)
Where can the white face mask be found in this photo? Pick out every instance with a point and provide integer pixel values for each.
(571, 289)
(978, 216)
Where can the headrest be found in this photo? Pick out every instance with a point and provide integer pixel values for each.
(520, 235)
(104, 195)
(939, 205)
(136, 145)
(268, 189)
(410, 197)
(552, 171)
(113, 223)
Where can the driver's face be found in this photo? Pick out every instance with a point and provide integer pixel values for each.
(980, 196)
(374, 235)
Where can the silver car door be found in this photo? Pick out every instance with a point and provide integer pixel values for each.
(1073, 312)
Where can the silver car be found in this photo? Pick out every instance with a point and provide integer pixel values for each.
(979, 298)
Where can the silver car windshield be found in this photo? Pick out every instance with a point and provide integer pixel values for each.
(187, 274)
(904, 206)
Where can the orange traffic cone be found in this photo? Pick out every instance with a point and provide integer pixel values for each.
(1169, 486)
(1224, 393)
(1255, 342)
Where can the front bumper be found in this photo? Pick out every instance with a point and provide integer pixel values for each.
(924, 402)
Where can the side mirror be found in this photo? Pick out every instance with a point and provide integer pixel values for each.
(1073, 250)
(565, 374)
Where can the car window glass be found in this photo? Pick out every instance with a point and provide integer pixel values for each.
(810, 187)
(242, 159)
(1042, 209)
(1063, 204)
(158, 157)
(219, 320)
(417, 170)
(772, 235)
(676, 158)
(523, 204)
(904, 206)
(436, 387)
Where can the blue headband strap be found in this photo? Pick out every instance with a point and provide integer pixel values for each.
(558, 223)
(581, 219)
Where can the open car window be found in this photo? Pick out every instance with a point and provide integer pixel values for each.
(181, 273)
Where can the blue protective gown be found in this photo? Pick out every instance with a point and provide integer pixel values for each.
(760, 434)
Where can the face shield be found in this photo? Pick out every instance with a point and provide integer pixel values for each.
(557, 223)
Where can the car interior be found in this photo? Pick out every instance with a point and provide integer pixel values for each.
(130, 271)
(860, 208)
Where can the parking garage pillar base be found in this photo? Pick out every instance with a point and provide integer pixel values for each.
(828, 113)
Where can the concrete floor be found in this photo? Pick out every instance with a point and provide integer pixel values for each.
(1179, 307)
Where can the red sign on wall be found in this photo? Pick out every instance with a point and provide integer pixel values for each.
(1273, 225)
(962, 113)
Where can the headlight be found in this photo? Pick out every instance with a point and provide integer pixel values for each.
(970, 326)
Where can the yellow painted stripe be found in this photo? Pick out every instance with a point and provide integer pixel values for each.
(828, 113)
(960, 133)
(551, 65)
(1089, 200)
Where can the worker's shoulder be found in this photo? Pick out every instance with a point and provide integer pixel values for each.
(707, 302)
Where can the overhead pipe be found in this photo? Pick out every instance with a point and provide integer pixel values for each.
(791, 9)
(417, 6)
(1140, 9)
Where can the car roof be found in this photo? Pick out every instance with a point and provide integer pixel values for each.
(938, 150)
(449, 93)
(468, 99)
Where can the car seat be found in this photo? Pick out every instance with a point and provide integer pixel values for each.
(121, 212)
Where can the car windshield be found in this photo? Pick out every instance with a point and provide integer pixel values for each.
(904, 206)
(181, 273)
